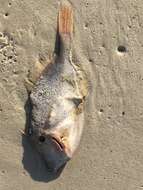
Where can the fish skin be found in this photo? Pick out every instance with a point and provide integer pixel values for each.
(58, 101)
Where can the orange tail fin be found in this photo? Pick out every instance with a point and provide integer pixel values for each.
(66, 20)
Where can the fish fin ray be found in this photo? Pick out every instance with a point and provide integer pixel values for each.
(65, 21)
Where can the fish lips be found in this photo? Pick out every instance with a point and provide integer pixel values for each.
(59, 145)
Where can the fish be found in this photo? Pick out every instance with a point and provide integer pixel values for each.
(58, 100)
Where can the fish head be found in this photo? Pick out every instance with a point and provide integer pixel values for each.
(58, 141)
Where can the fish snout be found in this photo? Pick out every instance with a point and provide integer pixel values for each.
(61, 143)
(53, 151)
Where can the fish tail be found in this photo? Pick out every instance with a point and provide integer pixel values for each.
(65, 21)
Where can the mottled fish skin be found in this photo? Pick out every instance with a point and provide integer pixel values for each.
(58, 101)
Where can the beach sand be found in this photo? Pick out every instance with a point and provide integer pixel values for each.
(108, 42)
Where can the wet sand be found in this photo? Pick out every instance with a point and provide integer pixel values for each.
(108, 43)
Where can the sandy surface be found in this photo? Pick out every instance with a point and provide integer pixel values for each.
(110, 155)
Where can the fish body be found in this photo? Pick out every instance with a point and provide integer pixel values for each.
(58, 101)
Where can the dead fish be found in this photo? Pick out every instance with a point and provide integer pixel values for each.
(58, 101)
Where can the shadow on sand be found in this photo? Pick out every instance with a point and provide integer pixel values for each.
(32, 161)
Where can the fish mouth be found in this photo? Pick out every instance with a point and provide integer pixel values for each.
(58, 143)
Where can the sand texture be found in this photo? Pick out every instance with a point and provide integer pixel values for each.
(110, 155)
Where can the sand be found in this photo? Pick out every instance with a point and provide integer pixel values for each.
(110, 155)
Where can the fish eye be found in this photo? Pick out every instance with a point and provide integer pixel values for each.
(42, 139)
(77, 101)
